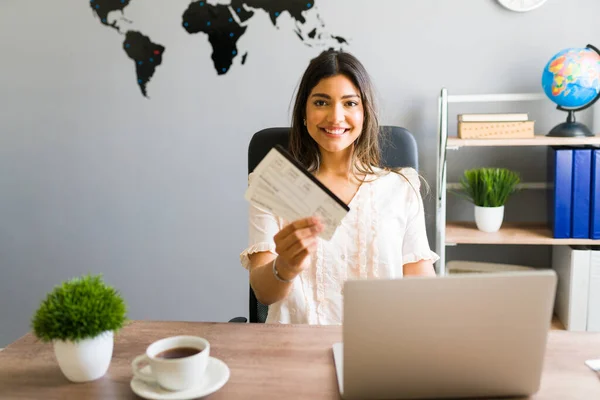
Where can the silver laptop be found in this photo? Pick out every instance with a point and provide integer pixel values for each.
(466, 335)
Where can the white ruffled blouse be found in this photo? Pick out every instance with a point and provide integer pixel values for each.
(384, 230)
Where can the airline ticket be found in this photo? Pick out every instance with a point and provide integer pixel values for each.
(284, 187)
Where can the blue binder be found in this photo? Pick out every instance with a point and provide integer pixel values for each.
(595, 196)
(580, 214)
(560, 176)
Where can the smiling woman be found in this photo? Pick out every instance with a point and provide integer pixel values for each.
(336, 92)
(334, 114)
(335, 135)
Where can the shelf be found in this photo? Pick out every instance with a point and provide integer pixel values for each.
(510, 233)
(520, 186)
(450, 233)
(538, 140)
(499, 97)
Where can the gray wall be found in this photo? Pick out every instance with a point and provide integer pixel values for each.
(149, 192)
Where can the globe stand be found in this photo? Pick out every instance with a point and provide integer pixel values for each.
(570, 128)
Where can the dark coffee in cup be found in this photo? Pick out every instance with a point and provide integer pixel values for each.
(175, 363)
(178, 352)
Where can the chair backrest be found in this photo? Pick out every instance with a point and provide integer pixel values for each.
(398, 149)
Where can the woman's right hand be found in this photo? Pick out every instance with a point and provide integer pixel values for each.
(294, 244)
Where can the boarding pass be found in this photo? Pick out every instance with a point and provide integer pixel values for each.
(285, 188)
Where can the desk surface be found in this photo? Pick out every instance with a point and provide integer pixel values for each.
(266, 361)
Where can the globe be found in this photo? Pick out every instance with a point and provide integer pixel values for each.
(571, 79)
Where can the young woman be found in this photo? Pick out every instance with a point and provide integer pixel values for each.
(334, 135)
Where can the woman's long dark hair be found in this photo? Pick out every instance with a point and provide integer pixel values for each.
(366, 153)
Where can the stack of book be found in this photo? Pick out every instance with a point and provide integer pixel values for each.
(574, 195)
(577, 303)
(495, 126)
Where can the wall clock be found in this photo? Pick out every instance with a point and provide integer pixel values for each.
(522, 5)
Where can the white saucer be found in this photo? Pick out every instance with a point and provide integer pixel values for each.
(216, 375)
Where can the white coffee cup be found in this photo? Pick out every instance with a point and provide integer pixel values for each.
(178, 373)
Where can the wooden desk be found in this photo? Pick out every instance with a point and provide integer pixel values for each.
(266, 362)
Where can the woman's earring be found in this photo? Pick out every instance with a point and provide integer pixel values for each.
(304, 121)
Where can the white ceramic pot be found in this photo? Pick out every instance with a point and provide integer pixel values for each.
(85, 360)
(489, 219)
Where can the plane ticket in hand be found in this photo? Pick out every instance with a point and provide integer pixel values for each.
(281, 185)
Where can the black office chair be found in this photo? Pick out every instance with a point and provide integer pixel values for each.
(398, 149)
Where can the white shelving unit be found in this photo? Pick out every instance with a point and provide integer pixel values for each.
(450, 233)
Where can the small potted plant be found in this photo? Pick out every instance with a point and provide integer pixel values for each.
(489, 189)
(80, 318)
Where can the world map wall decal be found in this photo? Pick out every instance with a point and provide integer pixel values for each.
(222, 24)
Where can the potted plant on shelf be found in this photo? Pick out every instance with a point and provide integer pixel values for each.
(80, 318)
(489, 189)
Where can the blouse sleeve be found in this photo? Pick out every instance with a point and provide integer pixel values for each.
(263, 226)
(415, 246)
